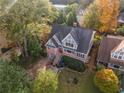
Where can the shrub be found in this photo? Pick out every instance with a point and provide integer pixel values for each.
(45, 82)
(106, 81)
(120, 30)
(13, 79)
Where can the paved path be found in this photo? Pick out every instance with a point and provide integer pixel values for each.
(92, 61)
(42, 64)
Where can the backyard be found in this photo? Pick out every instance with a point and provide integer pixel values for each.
(73, 63)
(84, 84)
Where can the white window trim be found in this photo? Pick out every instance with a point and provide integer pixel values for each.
(64, 42)
(118, 55)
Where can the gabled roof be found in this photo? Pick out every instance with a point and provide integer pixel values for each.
(119, 47)
(106, 46)
(80, 35)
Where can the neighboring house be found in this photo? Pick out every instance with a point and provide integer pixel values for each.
(111, 52)
(121, 18)
(69, 41)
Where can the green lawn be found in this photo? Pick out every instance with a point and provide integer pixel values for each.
(85, 83)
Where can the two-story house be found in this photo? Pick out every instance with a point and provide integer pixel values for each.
(111, 52)
(74, 42)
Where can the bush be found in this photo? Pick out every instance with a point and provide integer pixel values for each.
(45, 82)
(13, 79)
(120, 30)
(106, 81)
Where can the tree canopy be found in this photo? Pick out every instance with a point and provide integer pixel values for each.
(13, 79)
(23, 13)
(106, 81)
(46, 82)
(104, 14)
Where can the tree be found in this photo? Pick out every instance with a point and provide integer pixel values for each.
(23, 13)
(61, 18)
(90, 18)
(121, 5)
(13, 79)
(71, 18)
(106, 13)
(68, 17)
(45, 82)
(106, 81)
(120, 30)
(41, 30)
(109, 15)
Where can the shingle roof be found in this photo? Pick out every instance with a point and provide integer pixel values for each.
(81, 36)
(54, 41)
(107, 45)
(85, 36)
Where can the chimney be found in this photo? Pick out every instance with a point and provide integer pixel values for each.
(75, 24)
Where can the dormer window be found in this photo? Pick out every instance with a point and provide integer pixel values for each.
(69, 44)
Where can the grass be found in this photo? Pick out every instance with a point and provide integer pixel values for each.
(85, 83)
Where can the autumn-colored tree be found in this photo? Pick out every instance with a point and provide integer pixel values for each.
(104, 14)
(106, 81)
(109, 14)
(23, 13)
(90, 19)
(41, 30)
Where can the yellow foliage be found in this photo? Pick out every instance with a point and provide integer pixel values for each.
(109, 10)
(101, 15)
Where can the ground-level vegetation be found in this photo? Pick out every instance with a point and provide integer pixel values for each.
(84, 82)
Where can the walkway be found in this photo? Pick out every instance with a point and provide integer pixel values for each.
(42, 64)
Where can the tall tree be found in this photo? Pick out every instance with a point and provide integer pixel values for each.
(105, 17)
(24, 12)
(90, 18)
(106, 81)
(108, 16)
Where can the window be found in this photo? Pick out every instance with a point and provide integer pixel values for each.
(69, 51)
(115, 56)
(116, 66)
(69, 44)
(80, 55)
(120, 57)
